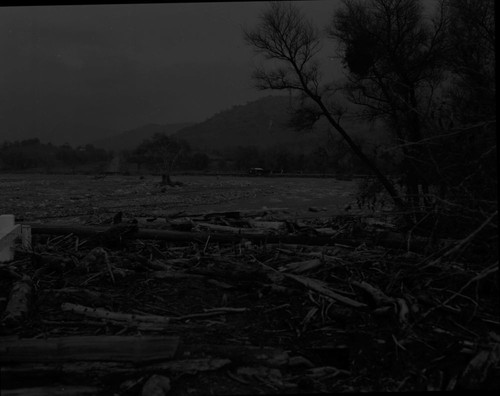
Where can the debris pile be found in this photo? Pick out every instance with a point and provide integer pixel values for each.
(244, 302)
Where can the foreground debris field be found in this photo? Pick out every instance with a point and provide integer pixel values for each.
(237, 301)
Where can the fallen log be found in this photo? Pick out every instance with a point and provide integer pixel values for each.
(231, 230)
(245, 355)
(115, 317)
(228, 234)
(39, 371)
(19, 302)
(88, 348)
(234, 214)
(379, 300)
(320, 288)
(268, 225)
(53, 391)
(303, 266)
(180, 236)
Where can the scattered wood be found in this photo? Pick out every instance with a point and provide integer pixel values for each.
(479, 368)
(454, 249)
(115, 317)
(222, 285)
(78, 294)
(381, 303)
(88, 348)
(175, 275)
(236, 235)
(66, 390)
(214, 312)
(303, 266)
(321, 288)
(181, 224)
(98, 369)
(19, 302)
(240, 354)
(231, 230)
(268, 225)
(395, 240)
(375, 296)
(156, 385)
(227, 250)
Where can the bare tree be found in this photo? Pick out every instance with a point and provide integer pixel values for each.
(396, 60)
(286, 37)
(471, 35)
(161, 152)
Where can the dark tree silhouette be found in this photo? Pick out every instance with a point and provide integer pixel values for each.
(396, 61)
(287, 38)
(162, 152)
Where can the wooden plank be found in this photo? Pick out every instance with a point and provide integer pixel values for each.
(88, 348)
(7, 238)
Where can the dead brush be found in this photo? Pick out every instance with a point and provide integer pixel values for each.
(370, 194)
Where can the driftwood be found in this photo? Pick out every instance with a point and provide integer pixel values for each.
(269, 225)
(231, 230)
(320, 288)
(202, 237)
(53, 391)
(380, 300)
(241, 354)
(79, 294)
(230, 234)
(377, 297)
(236, 214)
(19, 301)
(479, 368)
(102, 369)
(115, 317)
(88, 348)
(175, 275)
(303, 266)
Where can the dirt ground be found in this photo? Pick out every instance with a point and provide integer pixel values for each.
(35, 197)
(250, 317)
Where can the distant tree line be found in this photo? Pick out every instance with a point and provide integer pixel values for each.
(333, 158)
(32, 154)
(165, 154)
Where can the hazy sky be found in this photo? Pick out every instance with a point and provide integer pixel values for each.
(92, 69)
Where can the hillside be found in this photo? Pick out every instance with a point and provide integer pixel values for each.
(261, 123)
(130, 139)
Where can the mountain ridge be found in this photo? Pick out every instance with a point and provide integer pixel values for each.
(262, 123)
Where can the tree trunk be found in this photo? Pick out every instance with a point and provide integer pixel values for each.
(165, 179)
(357, 150)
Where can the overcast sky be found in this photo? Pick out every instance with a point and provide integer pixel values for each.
(87, 69)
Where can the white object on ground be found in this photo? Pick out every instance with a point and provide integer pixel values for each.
(9, 232)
